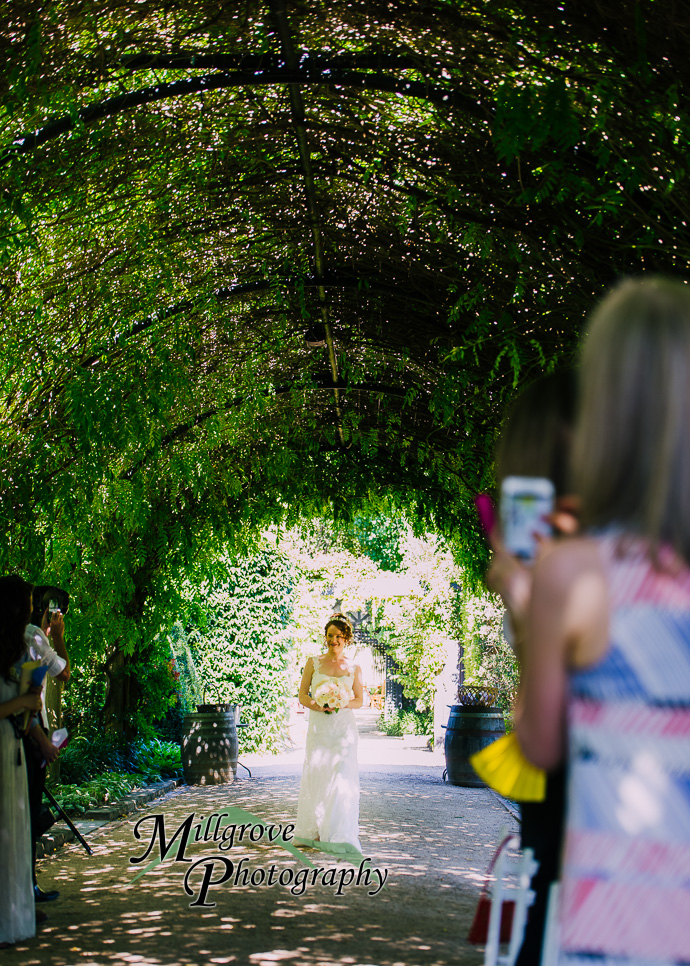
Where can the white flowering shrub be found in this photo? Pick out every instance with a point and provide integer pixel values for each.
(489, 661)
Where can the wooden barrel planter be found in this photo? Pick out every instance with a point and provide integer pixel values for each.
(209, 745)
(469, 729)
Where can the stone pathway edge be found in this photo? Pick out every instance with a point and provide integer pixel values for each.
(94, 818)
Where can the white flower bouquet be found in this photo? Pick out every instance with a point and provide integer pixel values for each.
(332, 696)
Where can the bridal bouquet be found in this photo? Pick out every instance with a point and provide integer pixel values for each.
(332, 696)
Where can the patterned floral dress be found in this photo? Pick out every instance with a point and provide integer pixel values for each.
(625, 893)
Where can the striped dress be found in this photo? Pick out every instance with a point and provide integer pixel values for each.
(625, 893)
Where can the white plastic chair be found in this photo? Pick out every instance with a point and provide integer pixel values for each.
(512, 882)
(549, 950)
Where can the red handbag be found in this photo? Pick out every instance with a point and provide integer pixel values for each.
(479, 930)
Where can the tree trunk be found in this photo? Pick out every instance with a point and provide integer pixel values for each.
(122, 697)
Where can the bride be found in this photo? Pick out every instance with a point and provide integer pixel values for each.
(328, 806)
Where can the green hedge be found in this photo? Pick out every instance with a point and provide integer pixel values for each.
(238, 649)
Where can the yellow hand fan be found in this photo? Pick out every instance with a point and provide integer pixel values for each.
(504, 768)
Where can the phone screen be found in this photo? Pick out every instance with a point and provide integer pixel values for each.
(525, 502)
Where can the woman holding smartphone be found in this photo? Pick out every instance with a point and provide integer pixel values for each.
(606, 640)
(534, 448)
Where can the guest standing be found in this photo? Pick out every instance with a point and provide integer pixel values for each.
(535, 441)
(606, 659)
(39, 751)
(17, 914)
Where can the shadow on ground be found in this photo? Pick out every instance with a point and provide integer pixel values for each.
(433, 840)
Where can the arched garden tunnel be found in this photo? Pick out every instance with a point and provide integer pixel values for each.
(266, 261)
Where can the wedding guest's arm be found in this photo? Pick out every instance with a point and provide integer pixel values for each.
(43, 743)
(54, 629)
(23, 702)
(566, 628)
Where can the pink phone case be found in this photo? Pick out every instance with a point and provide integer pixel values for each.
(485, 512)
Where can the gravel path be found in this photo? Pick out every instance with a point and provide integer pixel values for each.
(429, 840)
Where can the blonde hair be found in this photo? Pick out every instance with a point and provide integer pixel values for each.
(631, 449)
(343, 625)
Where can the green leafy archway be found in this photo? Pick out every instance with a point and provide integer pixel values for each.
(258, 261)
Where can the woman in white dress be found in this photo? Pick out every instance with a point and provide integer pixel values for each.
(328, 807)
(17, 911)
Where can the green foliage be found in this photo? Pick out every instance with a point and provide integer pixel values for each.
(381, 538)
(409, 613)
(407, 723)
(102, 790)
(161, 407)
(530, 116)
(84, 699)
(86, 760)
(488, 659)
(149, 679)
(239, 645)
(417, 628)
(157, 691)
(328, 577)
(156, 759)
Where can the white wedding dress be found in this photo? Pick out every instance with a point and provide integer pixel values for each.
(17, 910)
(328, 806)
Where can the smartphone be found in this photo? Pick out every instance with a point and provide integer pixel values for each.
(525, 502)
(53, 607)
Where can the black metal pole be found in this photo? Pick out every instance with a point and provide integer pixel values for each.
(66, 817)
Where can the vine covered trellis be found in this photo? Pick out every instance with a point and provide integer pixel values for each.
(260, 258)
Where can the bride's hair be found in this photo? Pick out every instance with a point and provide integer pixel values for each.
(343, 625)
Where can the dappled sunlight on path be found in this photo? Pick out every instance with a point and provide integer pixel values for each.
(431, 842)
